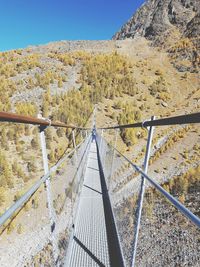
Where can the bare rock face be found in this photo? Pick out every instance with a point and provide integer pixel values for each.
(157, 16)
(170, 24)
(193, 27)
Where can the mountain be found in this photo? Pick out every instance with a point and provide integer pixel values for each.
(170, 24)
(155, 17)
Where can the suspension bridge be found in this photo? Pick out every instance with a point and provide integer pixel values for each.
(79, 220)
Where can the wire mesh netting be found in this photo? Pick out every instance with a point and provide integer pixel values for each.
(66, 186)
(27, 232)
(30, 238)
(117, 171)
(166, 237)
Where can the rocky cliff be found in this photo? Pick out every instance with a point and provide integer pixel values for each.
(170, 24)
(157, 16)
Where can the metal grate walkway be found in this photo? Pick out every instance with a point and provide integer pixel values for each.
(89, 245)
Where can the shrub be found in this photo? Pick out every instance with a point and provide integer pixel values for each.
(35, 143)
(60, 82)
(25, 108)
(2, 195)
(31, 166)
(10, 228)
(20, 229)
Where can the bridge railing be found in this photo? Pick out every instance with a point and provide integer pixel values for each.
(36, 228)
(155, 228)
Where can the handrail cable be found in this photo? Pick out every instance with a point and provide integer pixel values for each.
(183, 119)
(16, 118)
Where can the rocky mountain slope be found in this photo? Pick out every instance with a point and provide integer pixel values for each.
(156, 17)
(170, 24)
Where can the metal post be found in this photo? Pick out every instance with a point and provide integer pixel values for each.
(76, 157)
(85, 134)
(73, 139)
(142, 190)
(94, 117)
(48, 190)
(113, 158)
(81, 132)
(100, 146)
(103, 154)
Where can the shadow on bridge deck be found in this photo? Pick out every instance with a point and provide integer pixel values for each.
(89, 246)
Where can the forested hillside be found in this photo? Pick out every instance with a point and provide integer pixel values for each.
(129, 80)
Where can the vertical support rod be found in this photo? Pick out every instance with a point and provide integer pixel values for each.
(100, 146)
(113, 157)
(48, 190)
(81, 132)
(84, 135)
(73, 139)
(94, 117)
(142, 191)
(76, 157)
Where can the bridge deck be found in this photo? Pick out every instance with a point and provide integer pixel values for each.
(89, 245)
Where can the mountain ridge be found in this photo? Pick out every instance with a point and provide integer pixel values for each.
(156, 16)
(173, 25)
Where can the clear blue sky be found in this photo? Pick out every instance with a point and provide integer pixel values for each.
(29, 22)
